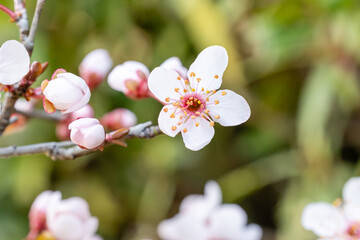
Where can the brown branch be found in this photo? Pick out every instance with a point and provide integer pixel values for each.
(67, 150)
(56, 117)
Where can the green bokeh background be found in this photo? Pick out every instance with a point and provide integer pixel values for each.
(295, 61)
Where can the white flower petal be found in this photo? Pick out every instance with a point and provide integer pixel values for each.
(67, 227)
(167, 124)
(210, 62)
(162, 83)
(352, 212)
(323, 219)
(213, 192)
(175, 64)
(127, 71)
(198, 137)
(351, 190)
(91, 226)
(97, 61)
(232, 108)
(14, 62)
(251, 232)
(226, 221)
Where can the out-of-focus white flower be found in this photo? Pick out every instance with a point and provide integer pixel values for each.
(131, 77)
(175, 64)
(70, 219)
(203, 217)
(193, 105)
(37, 214)
(118, 118)
(66, 92)
(14, 62)
(20, 123)
(62, 130)
(338, 221)
(95, 66)
(87, 133)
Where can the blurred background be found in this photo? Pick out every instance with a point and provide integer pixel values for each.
(296, 62)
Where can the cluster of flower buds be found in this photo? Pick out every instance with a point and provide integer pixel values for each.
(51, 217)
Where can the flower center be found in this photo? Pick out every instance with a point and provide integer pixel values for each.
(193, 103)
(354, 230)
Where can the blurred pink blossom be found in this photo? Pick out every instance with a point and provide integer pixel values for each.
(118, 118)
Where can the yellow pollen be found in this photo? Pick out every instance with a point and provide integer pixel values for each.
(202, 106)
(178, 78)
(197, 124)
(185, 90)
(193, 89)
(176, 89)
(176, 104)
(202, 89)
(181, 117)
(185, 130)
(198, 79)
(167, 99)
(202, 115)
(165, 110)
(217, 116)
(214, 91)
(207, 91)
(193, 117)
(207, 99)
(179, 123)
(206, 111)
(191, 98)
(212, 124)
(186, 81)
(173, 128)
(192, 74)
(172, 115)
(216, 102)
(183, 108)
(223, 93)
(199, 102)
(197, 113)
(216, 76)
(185, 113)
(182, 98)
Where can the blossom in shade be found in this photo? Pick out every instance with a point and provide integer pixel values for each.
(87, 133)
(118, 118)
(95, 66)
(62, 130)
(131, 77)
(337, 221)
(193, 104)
(70, 219)
(65, 92)
(14, 62)
(203, 217)
(37, 214)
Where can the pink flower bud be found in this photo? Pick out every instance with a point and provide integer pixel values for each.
(62, 130)
(118, 118)
(131, 79)
(87, 133)
(37, 214)
(70, 219)
(67, 93)
(175, 64)
(95, 66)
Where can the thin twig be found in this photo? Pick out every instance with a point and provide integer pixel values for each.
(67, 150)
(21, 20)
(29, 42)
(56, 117)
(11, 14)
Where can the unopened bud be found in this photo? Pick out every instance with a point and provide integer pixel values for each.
(87, 133)
(118, 118)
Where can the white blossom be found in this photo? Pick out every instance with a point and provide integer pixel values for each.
(87, 133)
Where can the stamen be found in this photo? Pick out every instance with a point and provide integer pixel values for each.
(212, 123)
(167, 99)
(186, 81)
(178, 78)
(193, 89)
(179, 123)
(185, 90)
(197, 124)
(198, 80)
(197, 113)
(165, 109)
(207, 99)
(192, 74)
(207, 111)
(202, 89)
(181, 117)
(216, 102)
(182, 98)
(213, 91)
(216, 76)
(184, 130)
(172, 115)
(175, 104)
(173, 128)
(223, 93)
(217, 116)
(176, 89)
(193, 117)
